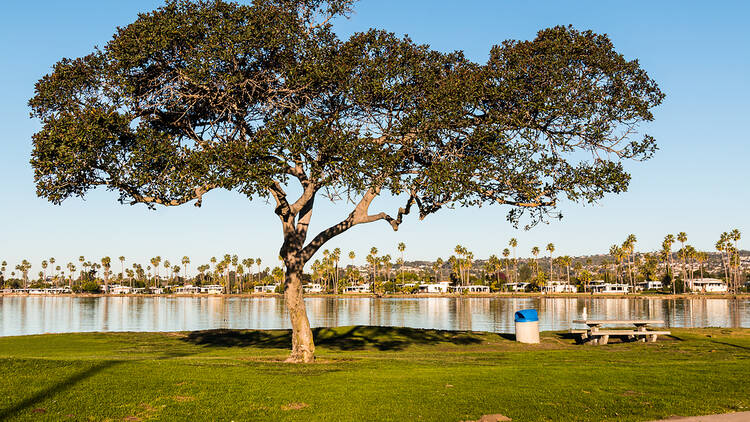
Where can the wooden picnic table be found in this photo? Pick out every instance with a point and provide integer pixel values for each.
(597, 335)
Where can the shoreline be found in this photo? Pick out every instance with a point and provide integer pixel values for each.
(416, 295)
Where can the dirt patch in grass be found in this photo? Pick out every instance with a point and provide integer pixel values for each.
(271, 359)
(294, 406)
(39, 410)
(493, 418)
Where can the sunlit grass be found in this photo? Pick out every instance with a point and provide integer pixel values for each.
(369, 373)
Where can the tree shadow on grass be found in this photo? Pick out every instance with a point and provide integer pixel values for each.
(55, 389)
(730, 344)
(569, 337)
(358, 337)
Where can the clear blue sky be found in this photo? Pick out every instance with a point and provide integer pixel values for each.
(697, 183)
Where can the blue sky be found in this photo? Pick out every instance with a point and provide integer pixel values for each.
(697, 51)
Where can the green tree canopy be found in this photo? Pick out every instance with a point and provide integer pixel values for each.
(204, 95)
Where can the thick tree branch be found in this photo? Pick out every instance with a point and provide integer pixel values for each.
(138, 198)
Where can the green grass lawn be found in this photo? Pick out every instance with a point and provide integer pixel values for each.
(370, 373)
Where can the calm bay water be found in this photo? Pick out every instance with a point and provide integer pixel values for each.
(21, 315)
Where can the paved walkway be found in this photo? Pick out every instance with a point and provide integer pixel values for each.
(727, 417)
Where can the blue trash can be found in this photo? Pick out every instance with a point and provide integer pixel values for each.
(527, 326)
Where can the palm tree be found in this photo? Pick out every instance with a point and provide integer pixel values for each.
(440, 264)
(735, 236)
(550, 249)
(386, 261)
(81, 259)
(667, 249)
(629, 247)
(506, 254)
(24, 268)
(616, 253)
(682, 238)
(44, 270)
(86, 266)
(402, 248)
(535, 252)
(720, 246)
(513, 243)
(352, 255)
(567, 260)
(235, 263)
(71, 270)
(257, 262)
(185, 263)
(156, 262)
(52, 265)
(248, 263)
(336, 257)
(122, 265)
(372, 260)
(167, 266)
(106, 264)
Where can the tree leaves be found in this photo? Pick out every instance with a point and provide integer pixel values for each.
(202, 95)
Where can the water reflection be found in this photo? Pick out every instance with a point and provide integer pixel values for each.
(36, 315)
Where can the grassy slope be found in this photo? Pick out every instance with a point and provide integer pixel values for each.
(367, 373)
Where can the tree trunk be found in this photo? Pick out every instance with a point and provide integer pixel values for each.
(303, 347)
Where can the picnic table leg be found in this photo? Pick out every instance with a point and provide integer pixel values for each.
(594, 339)
(652, 338)
(603, 339)
(641, 329)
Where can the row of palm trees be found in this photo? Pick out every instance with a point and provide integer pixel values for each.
(327, 269)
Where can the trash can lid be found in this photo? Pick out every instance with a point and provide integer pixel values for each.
(527, 315)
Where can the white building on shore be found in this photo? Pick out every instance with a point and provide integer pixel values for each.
(441, 287)
(362, 288)
(212, 289)
(187, 289)
(312, 288)
(268, 288)
(472, 288)
(649, 285)
(706, 285)
(117, 289)
(599, 286)
(558, 287)
(516, 286)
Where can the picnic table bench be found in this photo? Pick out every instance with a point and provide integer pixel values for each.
(596, 335)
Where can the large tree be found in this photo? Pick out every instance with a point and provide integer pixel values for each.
(205, 95)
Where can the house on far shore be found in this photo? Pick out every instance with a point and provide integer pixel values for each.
(648, 285)
(117, 289)
(516, 287)
(362, 288)
(47, 291)
(441, 287)
(212, 289)
(706, 285)
(187, 289)
(599, 286)
(312, 288)
(555, 286)
(268, 288)
(473, 288)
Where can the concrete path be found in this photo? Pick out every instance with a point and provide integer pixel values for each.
(727, 417)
